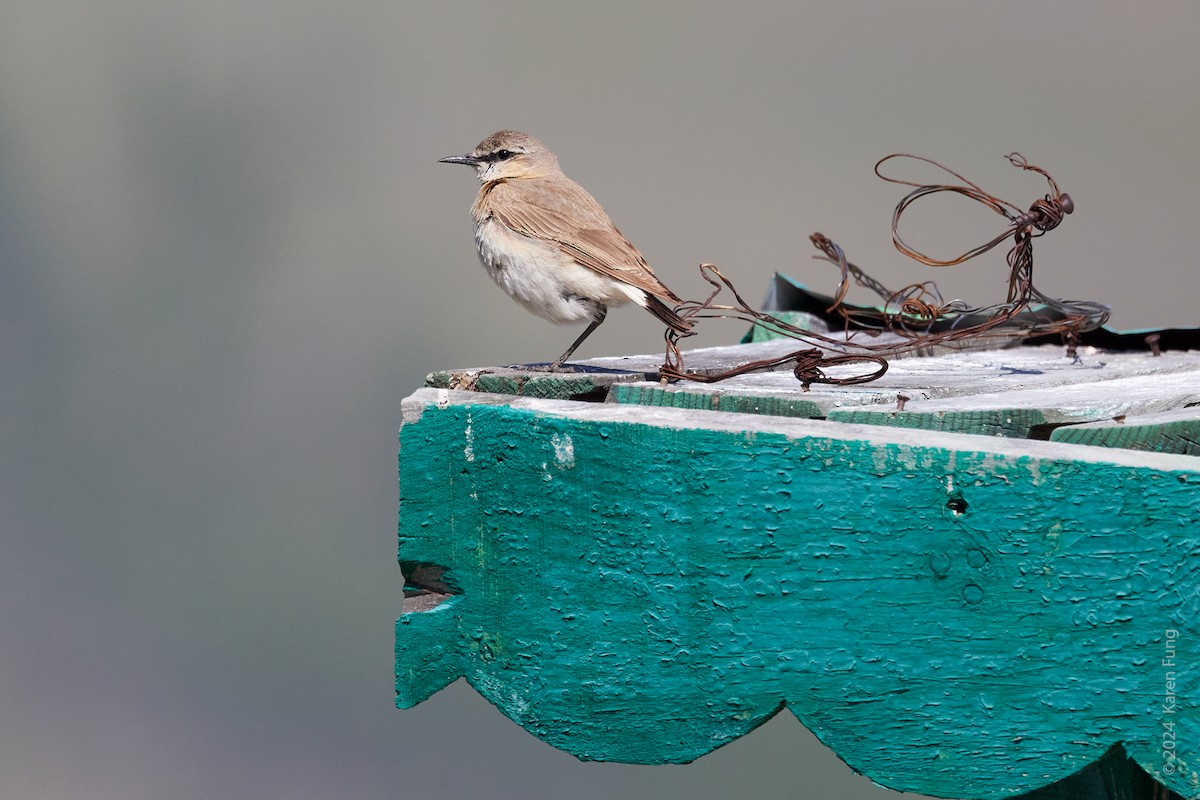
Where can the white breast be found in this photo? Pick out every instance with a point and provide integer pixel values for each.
(542, 278)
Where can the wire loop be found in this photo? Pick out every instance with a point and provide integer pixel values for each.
(916, 313)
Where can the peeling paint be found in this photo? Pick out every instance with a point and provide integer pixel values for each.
(564, 450)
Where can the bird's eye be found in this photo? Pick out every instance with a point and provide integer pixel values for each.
(502, 155)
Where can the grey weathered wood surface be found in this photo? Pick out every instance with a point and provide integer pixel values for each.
(1021, 392)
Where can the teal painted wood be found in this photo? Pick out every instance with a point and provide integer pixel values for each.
(953, 615)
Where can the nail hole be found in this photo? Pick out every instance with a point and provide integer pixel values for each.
(426, 586)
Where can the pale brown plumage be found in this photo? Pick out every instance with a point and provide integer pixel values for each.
(564, 213)
(535, 228)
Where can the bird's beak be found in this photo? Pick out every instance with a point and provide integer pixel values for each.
(465, 158)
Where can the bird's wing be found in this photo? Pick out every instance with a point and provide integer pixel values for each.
(565, 214)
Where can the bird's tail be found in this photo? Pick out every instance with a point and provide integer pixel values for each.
(664, 312)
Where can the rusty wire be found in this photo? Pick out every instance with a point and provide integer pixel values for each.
(916, 314)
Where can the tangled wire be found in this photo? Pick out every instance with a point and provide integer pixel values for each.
(916, 314)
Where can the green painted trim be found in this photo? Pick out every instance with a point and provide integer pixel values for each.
(1012, 423)
(1180, 436)
(953, 615)
(713, 400)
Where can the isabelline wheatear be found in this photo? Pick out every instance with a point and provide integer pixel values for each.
(549, 244)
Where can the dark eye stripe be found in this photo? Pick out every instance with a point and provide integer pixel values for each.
(499, 155)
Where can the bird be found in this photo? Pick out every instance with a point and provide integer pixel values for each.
(550, 245)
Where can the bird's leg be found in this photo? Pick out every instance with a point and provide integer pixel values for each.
(558, 362)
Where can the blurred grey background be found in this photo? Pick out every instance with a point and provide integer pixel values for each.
(228, 251)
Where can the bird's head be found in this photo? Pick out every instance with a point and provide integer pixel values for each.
(508, 155)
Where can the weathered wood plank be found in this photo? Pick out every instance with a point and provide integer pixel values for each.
(716, 400)
(1017, 423)
(942, 377)
(588, 382)
(1168, 432)
(1017, 413)
(1105, 384)
(954, 615)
